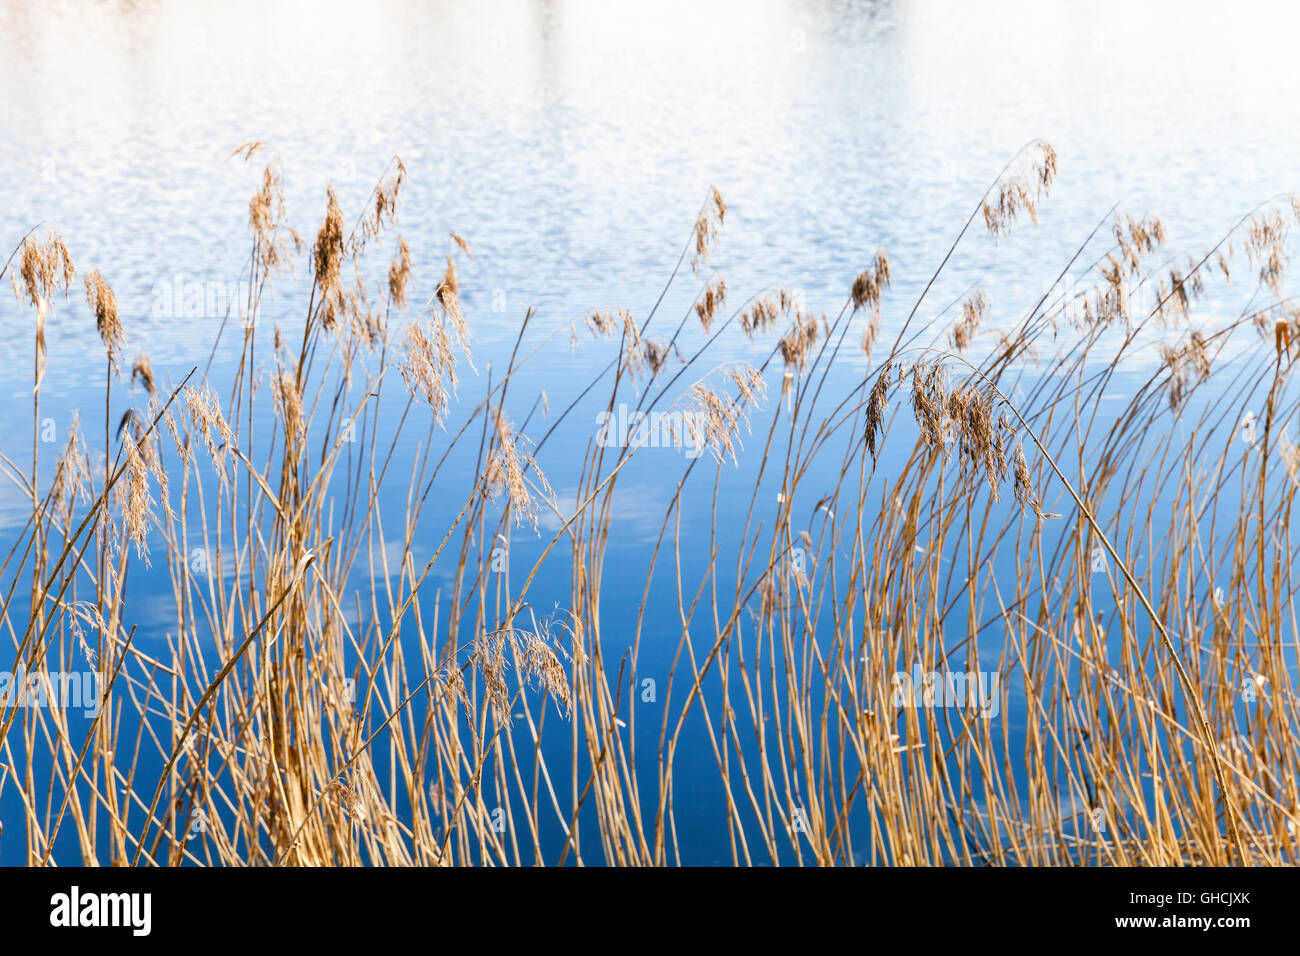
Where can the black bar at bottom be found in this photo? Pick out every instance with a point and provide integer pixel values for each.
(243, 907)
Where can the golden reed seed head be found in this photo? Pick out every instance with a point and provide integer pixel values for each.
(1188, 366)
(44, 268)
(1178, 290)
(448, 296)
(399, 274)
(142, 371)
(368, 325)
(930, 404)
(760, 316)
(602, 323)
(799, 341)
(103, 303)
(350, 799)
(272, 239)
(541, 662)
(630, 330)
(711, 299)
(713, 421)
(645, 355)
(768, 309)
(972, 314)
(505, 472)
(151, 450)
(1021, 191)
(868, 289)
(72, 473)
(450, 285)
(877, 405)
(871, 283)
(962, 415)
(428, 364)
(327, 259)
(1137, 238)
(1266, 246)
(536, 660)
(246, 151)
(383, 211)
(137, 502)
(750, 387)
(204, 409)
(1024, 489)
(705, 233)
(288, 401)
(80, 612)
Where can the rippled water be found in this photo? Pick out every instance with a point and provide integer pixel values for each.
(572, 144)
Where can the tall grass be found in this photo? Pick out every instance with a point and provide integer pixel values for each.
(1118, 553)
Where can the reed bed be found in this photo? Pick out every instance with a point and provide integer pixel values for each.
(348, 684)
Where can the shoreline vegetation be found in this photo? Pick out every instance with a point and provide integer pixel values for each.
(1118, 573)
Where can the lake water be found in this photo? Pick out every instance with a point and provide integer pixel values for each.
(572, 144)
